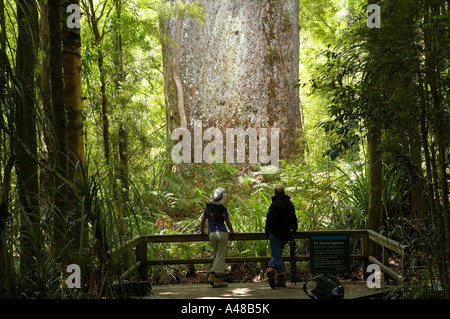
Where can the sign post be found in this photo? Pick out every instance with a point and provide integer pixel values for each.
(330, 253)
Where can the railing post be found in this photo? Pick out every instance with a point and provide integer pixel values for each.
(141, 256)
(385, 260)
(365, 253)
(406, 263)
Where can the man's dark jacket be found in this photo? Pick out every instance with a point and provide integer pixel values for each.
(281, 219)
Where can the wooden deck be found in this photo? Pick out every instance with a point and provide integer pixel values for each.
(367, 240)
(257, 290)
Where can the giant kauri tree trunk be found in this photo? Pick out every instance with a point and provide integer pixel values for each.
(238, 69)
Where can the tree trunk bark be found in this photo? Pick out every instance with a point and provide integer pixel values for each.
(59, 116)
(100, 62)
(47, 122)
(26, 111)
(434, 45)
(123, 137)
(237, 70)
(2, 26)
(57, 86)
(176, 71)
(375, 175)
(71, 63)
(6, 165)
(374, 134)
(105, 119)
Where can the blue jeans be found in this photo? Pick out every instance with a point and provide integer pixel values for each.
(276, 251)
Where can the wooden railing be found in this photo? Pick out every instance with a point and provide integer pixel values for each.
(388, 245)
(370, 241)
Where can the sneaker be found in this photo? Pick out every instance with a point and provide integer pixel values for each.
(271, 275)
(218, 283)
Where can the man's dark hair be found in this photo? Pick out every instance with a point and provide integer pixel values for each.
(279, 190)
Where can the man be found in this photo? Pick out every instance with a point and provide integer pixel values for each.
(281, 223)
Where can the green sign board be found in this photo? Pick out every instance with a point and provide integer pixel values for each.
(330, 253)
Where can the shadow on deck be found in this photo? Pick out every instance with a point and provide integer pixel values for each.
(258, 290)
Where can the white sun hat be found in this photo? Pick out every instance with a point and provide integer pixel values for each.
(218, 196)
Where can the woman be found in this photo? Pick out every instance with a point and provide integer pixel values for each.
(217, 216)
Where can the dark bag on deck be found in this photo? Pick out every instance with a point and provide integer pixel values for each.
(328, 286)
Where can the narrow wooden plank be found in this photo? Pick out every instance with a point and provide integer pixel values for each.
(130, 244)
(386, 270)
(131, 270)
(173, 238)
(366, 294)
(386, 242)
